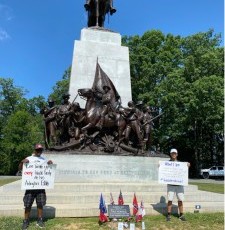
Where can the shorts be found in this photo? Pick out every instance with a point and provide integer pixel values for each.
(175, 189)
(30, 195)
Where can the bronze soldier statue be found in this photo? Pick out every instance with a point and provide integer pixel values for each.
(139, 111)
(97, 9)
(133, 123)
(77, 120)
(63, 119)
(147, 123)
(49, 115)
(106, 101)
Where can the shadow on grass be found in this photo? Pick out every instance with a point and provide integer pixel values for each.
(161, 207)
(48, 212)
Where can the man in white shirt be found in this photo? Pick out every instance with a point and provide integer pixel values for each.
(38, 194)
(175, 189)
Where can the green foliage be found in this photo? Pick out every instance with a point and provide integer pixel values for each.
(183, 78)
(61, 87)
(20, 125)
(21, 132)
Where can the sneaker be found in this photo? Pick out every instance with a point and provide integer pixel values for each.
(168, 218)
(25, 224)
(40, 223)
(182, 218)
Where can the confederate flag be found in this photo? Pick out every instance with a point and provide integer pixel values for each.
(135, 205)
(120, 199)
(103, 210)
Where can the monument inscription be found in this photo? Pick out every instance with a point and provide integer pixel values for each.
(118, 211)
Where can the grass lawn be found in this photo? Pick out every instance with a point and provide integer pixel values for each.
(4, 181)
(217, 188)
(206, 221)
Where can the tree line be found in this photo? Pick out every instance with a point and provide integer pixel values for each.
(180, 77)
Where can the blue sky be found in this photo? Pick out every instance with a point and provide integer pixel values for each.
(37, 36)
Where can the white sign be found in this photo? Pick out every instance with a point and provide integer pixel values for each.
(143, 225)
(120, 225)
(132, 226)
(173, 172)
(36, 176)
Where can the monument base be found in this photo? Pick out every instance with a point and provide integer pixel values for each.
(102, 168)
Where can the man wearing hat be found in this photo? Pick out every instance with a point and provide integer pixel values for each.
(38, 194)
(106, 101)
(175, 189)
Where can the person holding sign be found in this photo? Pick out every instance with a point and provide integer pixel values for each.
(175, 189)
(38, 194)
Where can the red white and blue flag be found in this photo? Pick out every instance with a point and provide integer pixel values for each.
(120, 199)
(102, 217)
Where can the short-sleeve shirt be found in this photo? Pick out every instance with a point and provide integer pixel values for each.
(37, 160)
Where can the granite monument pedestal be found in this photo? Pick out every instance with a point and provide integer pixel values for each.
(97, 168)
(104, 46)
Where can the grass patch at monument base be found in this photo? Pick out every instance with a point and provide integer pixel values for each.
(207, 221)
(209, 187)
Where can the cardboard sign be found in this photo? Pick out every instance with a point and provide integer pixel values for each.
(38, 176)
(173, 172)
(118, 211)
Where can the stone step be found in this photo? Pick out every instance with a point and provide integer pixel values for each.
(70, 210)
(87, 197)
(99, 187)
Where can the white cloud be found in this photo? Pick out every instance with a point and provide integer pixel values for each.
(6, 13)
(3, 35)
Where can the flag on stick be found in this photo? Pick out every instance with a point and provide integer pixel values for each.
(135, 205)
(141, 212)
(142, 209)
(102, 217)
(120, 199)
(111, 199)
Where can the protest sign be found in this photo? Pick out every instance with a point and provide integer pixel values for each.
(38, 176)
(173, 172)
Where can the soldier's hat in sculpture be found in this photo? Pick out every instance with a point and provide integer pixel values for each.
(66, 95)
(139, 103)
(130, 103)
(106, 87)
(76, 104)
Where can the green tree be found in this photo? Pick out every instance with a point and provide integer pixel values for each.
(20, 134)
(61, 87)
(183, 78)
(14, 134)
